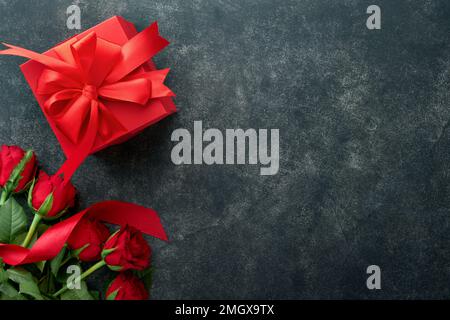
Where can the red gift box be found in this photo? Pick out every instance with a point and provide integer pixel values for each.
(123, 106)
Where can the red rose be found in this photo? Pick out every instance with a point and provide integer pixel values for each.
(12, 157)
(126, 249)
(126, 286)
(63, 196)
(88, 239)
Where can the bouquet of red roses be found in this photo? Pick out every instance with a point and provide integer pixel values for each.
(89, 243)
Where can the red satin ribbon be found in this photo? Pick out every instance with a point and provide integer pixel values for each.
(52, 241)
(89, 71)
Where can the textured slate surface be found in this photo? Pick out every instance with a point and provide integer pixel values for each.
(365, 148)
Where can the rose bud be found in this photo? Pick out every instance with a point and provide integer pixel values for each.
(126, 286)
(50, 197)
(126, 249)
(87, 239)
(16, 167)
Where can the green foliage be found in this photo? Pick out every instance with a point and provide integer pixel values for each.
(13, 221)
(78, 294)
(55, 264)
(3, 274)
(113, 295)
(46, 205)
(27, 283)
(146, 276)
(8, 292)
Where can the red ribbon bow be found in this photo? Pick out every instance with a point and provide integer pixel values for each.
(89, 70)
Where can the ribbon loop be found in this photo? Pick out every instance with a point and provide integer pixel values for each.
(138, 50)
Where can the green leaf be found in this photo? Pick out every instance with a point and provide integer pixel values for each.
(113, 295)
(13, 221)
(78, 294)
(19, 275)
(18, 297)
(31, 288)
(8, 291)
(115, 268)
(30, 195)
(47, 284)
(55, 264)
(21, 237)
(105, 252)
(76, 253)
(41, 265)
(3, 276)
(146, 276)
(46, 206)
(42, 228)
(27, 283)
(18, 240)
(33, 269)
(95, 294)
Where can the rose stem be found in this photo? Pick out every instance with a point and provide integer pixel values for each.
(37, 218)
(83, 276)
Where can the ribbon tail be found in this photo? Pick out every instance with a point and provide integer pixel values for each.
(13, 254)
(50, 62)
(123, 213)
(75, 159)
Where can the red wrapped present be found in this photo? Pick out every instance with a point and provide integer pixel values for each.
(100, 87)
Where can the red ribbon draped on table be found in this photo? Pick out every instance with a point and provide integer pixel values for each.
(87, 71)
(50, 243)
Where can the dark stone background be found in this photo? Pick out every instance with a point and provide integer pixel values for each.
(365, 148)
